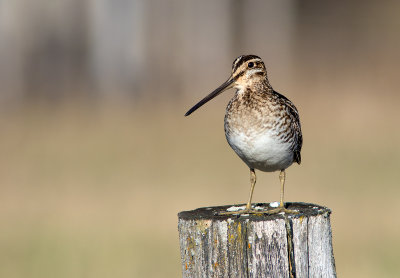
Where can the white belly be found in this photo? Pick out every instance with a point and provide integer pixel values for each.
(261, 151)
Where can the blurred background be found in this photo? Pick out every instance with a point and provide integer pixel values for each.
(96, 158)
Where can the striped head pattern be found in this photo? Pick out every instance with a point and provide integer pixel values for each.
(247, 69)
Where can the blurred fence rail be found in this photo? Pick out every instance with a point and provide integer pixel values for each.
(139, 48)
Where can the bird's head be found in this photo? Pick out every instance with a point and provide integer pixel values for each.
(246, 70)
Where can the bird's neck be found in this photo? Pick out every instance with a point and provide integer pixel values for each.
(260, 86)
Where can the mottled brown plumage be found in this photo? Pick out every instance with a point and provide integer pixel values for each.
(262, 109)
(261, 125)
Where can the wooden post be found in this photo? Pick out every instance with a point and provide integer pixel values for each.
(257, 245)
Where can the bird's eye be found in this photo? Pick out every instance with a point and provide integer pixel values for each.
(250, 65)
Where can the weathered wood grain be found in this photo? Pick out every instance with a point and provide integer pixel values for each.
(257, 245)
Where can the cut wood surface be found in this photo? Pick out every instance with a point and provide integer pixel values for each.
(257, 245)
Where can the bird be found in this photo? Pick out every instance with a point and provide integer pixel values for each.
(261, 125)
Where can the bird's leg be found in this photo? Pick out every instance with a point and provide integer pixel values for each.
(281, 208)
(248, 209)
(253, 179)
(282, 177)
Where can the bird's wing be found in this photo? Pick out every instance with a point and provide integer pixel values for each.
(295, 125)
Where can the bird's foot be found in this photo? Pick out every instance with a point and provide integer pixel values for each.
(238, 210)
(277, 210)
(257, 210)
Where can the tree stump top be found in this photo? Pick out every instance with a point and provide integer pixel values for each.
(211, 213)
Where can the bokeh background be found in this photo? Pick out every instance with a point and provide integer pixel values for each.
(96, 158)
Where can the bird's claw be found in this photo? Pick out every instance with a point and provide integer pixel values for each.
(277, 210)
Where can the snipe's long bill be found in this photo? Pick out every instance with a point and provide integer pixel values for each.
(261, 125)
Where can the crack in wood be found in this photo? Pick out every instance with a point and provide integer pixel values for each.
(291, 258)
(246, 248)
